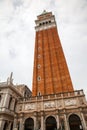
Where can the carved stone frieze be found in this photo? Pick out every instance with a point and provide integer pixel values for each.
(39, 106)
(30, 106)
(70, 102)
(49, 105)
(59, 104)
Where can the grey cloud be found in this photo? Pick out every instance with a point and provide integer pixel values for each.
(19, 34)
(9, 33)
(12, 53)
(17, 3)
(52, 3)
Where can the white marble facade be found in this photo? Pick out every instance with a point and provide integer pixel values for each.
(17, 106)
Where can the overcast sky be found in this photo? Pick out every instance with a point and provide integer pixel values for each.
(17, 37)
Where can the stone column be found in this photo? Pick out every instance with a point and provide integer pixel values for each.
(57, 120)
(9, 127)
(35, 121)
(12, 104)
(83, 122)
(57, 117)
(42, 121)
(21, 127)
(6, 100)
(2, 122)
(2, 101)
(15, 123)
(66, 123)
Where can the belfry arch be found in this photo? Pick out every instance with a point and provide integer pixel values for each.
(75, 122)
(29, 124)
(51, 123)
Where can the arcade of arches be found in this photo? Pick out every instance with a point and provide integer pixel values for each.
(51, 123)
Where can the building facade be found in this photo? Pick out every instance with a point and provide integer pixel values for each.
(53, 103)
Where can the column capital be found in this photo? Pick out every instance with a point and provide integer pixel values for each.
(21, 115)
(15, 116)
(42, 113)
(35, 113)
(56, 112)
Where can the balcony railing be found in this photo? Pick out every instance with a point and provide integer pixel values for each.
(53, 96)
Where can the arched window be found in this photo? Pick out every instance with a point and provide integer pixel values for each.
(51, 123)
(46, 22)
(40, 24)
(75, 122)
(39, 78)
(49, 21)
(39, 93)
(43, 23)
(29, 124)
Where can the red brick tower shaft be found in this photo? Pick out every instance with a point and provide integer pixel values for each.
(51, 73)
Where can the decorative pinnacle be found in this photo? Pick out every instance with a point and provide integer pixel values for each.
(44, 12)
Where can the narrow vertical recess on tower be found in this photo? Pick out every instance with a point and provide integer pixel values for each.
(50, 74)
(50, 53)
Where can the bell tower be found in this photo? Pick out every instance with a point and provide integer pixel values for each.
(50, 72)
